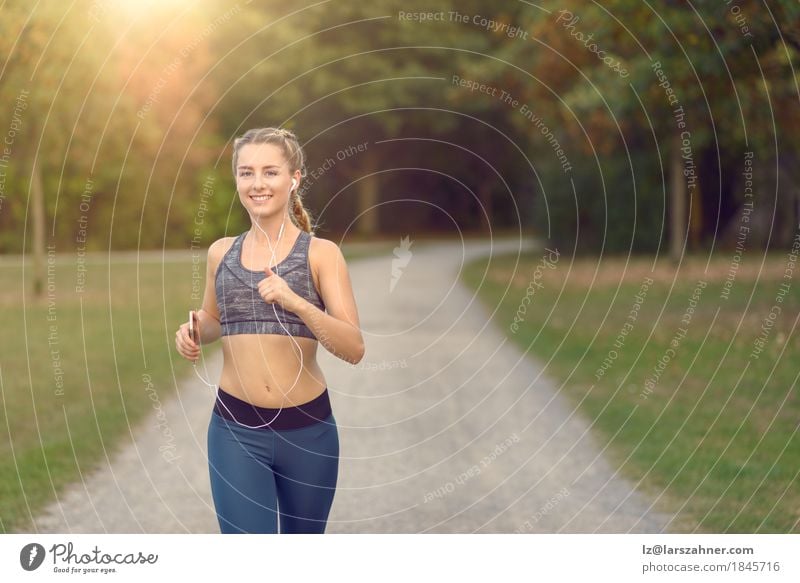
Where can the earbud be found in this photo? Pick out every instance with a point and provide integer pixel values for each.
(294, 184)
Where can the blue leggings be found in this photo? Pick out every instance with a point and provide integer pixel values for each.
(260, 477)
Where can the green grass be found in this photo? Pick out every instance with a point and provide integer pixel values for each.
(123, 329)
(694, 440)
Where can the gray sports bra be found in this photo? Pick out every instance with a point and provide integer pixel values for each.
(243, 311)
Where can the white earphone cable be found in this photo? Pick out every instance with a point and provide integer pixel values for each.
(275, 311)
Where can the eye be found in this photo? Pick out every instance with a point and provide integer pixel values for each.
(244, 173)
(272, 173)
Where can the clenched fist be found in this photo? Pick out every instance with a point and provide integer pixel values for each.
(186, 345)
(274, 290)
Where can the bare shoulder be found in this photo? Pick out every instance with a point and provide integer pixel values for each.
(217, 250)
(321, 251)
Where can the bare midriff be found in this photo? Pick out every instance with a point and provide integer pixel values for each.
(262, 369)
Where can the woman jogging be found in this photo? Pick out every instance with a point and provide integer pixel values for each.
(271, 294)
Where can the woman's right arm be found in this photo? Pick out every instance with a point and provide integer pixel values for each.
(208, 315)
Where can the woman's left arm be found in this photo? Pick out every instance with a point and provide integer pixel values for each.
(338, 330)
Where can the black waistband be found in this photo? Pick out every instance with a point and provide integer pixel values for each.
(303, 415)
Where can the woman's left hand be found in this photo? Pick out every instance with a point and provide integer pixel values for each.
(275, 290)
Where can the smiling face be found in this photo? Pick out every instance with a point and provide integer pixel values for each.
(264, 179)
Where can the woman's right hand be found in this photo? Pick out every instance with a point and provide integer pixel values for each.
(187, 347)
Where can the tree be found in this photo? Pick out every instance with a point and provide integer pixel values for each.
(346, 72)
(108, 114)
(693, 75)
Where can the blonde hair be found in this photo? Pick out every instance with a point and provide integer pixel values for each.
(288, 142)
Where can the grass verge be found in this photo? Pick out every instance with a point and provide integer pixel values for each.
(673, 374)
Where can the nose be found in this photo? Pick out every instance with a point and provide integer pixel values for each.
(258, 182)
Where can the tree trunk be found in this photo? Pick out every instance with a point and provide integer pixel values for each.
(696, 217)
(485, 197)
(38, 211)
(787, 198)
(677, 195)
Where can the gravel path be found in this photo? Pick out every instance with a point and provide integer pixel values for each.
(445, 426)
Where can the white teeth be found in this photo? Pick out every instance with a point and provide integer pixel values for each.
(261, 197)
